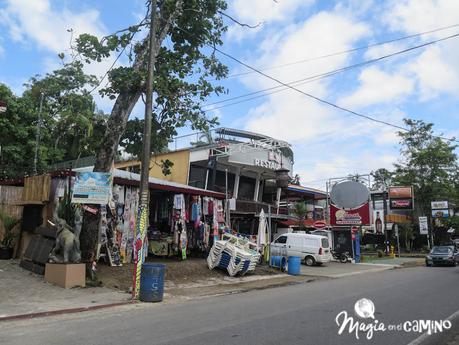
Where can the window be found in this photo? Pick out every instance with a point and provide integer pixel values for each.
(197, 176)
(220, 182)
(325, 243)
(281, 239)
(269, 191)
(246, 188)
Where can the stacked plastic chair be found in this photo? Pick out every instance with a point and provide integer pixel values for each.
(233, 254)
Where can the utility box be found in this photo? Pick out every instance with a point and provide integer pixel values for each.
(66, 275)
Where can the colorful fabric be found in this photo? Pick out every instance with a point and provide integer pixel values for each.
(139, 248)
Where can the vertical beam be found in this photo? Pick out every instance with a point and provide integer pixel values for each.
(257, 188)
(236, 182)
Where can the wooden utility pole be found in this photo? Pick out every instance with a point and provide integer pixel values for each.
(142, 215)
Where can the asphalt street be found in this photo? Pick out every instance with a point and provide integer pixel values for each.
(296, 314)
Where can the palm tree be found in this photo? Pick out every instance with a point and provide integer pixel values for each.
(300, 211)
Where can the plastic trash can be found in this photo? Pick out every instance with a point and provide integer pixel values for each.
(294, 265)
(152, 282)
(278, 261)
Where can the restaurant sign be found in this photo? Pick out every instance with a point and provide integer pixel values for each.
(356, 216)
(262, 158)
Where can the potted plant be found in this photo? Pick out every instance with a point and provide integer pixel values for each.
(9, 237)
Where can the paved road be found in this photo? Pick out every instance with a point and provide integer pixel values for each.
(299, 314)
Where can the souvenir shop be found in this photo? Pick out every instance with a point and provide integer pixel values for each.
(183, 220)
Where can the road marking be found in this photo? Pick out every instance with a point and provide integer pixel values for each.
(424, 336)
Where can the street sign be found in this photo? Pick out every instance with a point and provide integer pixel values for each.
(2, 107)
(319, 224)
(423, 226)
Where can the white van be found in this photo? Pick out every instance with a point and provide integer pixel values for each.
(313, 249)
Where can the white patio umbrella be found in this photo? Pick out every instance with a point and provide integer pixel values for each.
(262, 226)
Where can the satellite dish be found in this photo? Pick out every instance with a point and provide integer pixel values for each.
(349, 194)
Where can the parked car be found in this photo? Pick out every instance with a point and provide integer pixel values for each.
(313, 249)
(443, 255)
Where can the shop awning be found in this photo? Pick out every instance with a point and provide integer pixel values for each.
(309, 223)
(126, 178)
(311, 192)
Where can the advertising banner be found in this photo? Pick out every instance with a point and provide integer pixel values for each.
(400, 192)
(401, 204)
(92, 188)
(357, 216)
(423, 226)
(401, 198)
(378, 221)
(440, 213)
(439, 205)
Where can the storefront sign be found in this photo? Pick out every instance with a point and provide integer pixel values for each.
(92, 188)
(401, 198)
(400, 192)
(401, 204)
(423, 226)
(261, 158)
(440, 213)
(319, 224)
(266, 164)
(439, 205)
(357, 216)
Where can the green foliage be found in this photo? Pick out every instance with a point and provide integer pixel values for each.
(300, 211)
(185, 69)
(70, 124)
(66, 210)
(428, 163)
(453, 222)
(295, 180)
(382, 179)
(407, 235)
(9, 238)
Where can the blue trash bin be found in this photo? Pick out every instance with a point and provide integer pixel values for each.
(294, 265)
(152, 282)
(278, 261)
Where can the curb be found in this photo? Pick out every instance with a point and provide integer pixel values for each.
(62, 311)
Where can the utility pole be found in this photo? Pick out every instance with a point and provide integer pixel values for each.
(145, 158)
(37, 137)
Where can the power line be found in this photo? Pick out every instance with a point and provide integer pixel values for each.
(367, 117)
(347, 51)
(319, 76)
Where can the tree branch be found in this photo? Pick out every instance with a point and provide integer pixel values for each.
(238, 22)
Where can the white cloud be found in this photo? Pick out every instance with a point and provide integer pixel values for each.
(38, 21)
(436, 69)
(377, 86)
(289, 114)
(435, 74)
(262, 12)
(415, 16)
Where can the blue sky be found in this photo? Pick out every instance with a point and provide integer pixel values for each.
(423, 84)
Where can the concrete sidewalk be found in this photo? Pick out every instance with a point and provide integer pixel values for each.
(25, 295)
(338, 270)
(23, 292)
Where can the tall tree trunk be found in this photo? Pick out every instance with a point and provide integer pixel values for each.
(115, 128)
(105, 158)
